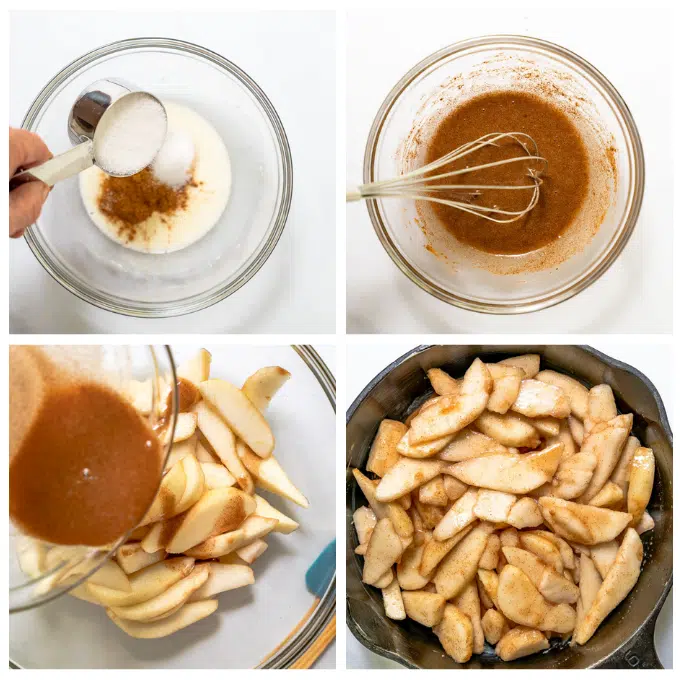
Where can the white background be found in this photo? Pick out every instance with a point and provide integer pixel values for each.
(364, 362)
(283, 52)
(632, 48)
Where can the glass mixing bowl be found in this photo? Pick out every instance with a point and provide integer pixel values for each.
(110, 276)
(115, 365)
(466, 65)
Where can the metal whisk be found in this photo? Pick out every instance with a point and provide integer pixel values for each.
(420, 185)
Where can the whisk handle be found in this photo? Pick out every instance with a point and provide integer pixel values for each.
(354, 195)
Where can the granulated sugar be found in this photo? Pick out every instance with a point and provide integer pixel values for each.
(172, 165)
(130, 134)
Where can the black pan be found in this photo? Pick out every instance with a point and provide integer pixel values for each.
(626, 638)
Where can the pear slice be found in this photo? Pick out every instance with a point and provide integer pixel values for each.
(491, 554)
(216, 476)
(454, 488)
(460, 566)
(217, 512)
(405, 476)
(509, 429)
(621, 473)
(506, 386)
(400, 519)
(364, 522)
(609, 496)
(529, 363)
(393, 602)
(156, 537)
(442, 383)
(31, 555)
(601, 406)
(383, 454)
(538, 399)
(195, 483)
(573, 474)
(196, 369)
(619, 581)
(144, 584)
(181, 450)
(603, 556)
(582, 523)
(184, 427)
(488, 585)
(469, 444)
(576, 393)
(646, 523)
(566, 552)
(284, 524)
(168, 497)
(108, 575)
(494, 506)
(270, 475)
(459, 515)
(223, 441)
(494, 625)
(384, 549)
(576, 429)
(132, 557)
(433, 492)
(468, 603)
(223, 577)
(216, 546)
(204, 451)
(641, 482)
(547, 426)
(240, 414)
(544, 549)
(425, 608)
(163, 603)
(262, 385)
(249, 553)
(435, 551)
(140, 395)
(185, 616)
(520, 642)
(511, 473)
(424, 450)
(455, 634)
(525, 513)
(80, 592)
(408, 573)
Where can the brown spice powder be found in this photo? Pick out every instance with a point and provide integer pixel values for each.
(130, 201)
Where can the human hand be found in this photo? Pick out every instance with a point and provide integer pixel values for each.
(26, 149)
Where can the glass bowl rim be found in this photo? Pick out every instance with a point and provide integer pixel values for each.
(277, 223)
(633, 200)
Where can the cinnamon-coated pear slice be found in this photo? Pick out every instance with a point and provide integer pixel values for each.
(455, 634)
(459, 515)
(196, 369)
(425, 608)
(168, 497)
(609, 496)
(408, 573)
(163, 603)
(383, 454)
(262, 385)
(400, 518)
(519, 642)
(240, 414)
(442, 383)
(491, 554)
(405, 476)
(284, 524)
(494, 625)
(434, 493)
(573, 474)
(384, 549)
(538, 399)
(508, 429)
(222, 544)
(525, 513)
(621, 473)
(619, 581)
(223, 577)
(132, 557)
(576, 393)
(435, 551)
(506, 386)
(494, 506)
(218, 511)
(216, 476)
(529, 363)
(641, 482)
(601, 406)
(603, 556)
(393, 602)
(223, 442)
(468, 602)
(470, 444)
(185, 616)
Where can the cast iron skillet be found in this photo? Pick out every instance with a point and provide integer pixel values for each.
(626, 638)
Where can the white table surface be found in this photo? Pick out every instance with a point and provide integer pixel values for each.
(635, 295)
(283, 52)
(364, 362)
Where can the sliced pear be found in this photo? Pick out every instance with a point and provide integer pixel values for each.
(454, 487)
(544, 549)
(270, 475)
(573, 389)
(459, 567)
(520, 642)
(216, 476)
(284, 524)
(240, 414)
(566, 552)
(547, 426)
(157, 536)
(181, 450)
(603, 556)
(601, 406)
(144, 584)
(169, 600)
(384, 549)
(400, 518)
(262, 385)
(511, 473)
(169, 496)
(195, 483)
(506, 385)
(132, 557)
(196, 369)
(433, 492)
(583, 523)
(576, 429)
(385, 580)
(184, 427)
(405, 476)
(442, 383)
(435, 551)
(641, 482)
(645, 524)
(468, 603)
(223, 577)
(525, 513)
(455, 634)
(489, 559)
(470, 444)
(509, 429)
(574, 474)
(488, 585)
(183, 617)
(563, 435)
(393, 601)
(609, 496)
(621, 473)
(538, 399)
(619, 581)
(459, 515)
(423, 607)
(205, 452)
(249, 553)
(217, 546)
(80, 592)
(494, 625)
(217, 512)
(494, 506)
(529, 363)
(383, 454)
(424, 450)
(223, 441)
(408, 573)
(31, 556)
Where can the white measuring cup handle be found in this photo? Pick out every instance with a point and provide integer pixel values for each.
(60, 167)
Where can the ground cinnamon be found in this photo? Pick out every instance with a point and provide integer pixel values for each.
(130, 201)
(565, 179)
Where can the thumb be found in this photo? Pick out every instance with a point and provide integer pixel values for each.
(25, 204)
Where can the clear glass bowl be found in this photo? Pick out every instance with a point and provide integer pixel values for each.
(116, 364)
(110, 276)
(396, 221)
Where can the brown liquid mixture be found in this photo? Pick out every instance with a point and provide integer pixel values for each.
(84, 465)
(565, 178)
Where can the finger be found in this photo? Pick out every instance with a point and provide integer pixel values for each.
(25, 204)
(26, 149)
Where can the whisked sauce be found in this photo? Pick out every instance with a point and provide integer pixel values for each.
(565, 177)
